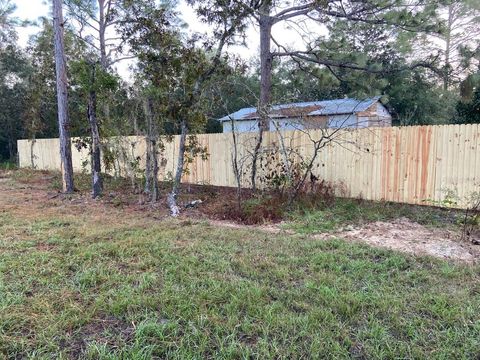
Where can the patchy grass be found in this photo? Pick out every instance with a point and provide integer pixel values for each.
(102, 283)
(344, 212)
(7, 165)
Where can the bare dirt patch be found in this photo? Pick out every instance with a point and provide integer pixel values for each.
(268, 228)
(400, 234)
(106, 330)
(408, 236)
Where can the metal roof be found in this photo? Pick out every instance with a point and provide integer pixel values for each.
(325, 107)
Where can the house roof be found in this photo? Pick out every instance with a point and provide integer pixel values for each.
(325, 107)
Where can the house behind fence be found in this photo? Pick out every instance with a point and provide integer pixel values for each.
(432, 165)
(340, 113)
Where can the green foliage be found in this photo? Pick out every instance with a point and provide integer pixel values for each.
(173, 66)
(103, 80)
(8, 35)
(236, 90)
(88, 76)
(469, 111)
(412, 94)
(42, 91)
(13, 72)
(415, 99)
(7, 165)
(306, 82)
(177, 71)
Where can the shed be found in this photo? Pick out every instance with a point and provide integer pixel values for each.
(339, 113)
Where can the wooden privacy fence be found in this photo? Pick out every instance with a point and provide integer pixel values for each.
(417, 165)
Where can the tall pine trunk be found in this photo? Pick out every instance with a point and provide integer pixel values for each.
(266, 59)
(97, 185)
(448, 38)
(172, 197)
(62, 99)
(33, 140)
(102, 23)
(148, 166)
(97, 182)
(151, 168)
(236, 169)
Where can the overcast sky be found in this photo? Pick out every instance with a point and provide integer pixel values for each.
(29, 10)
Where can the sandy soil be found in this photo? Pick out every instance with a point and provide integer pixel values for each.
(407, 236)
(271, 228)
(400, 234)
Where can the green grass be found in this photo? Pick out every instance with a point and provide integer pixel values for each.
(77, 286)
(7, 165)
(354, 212)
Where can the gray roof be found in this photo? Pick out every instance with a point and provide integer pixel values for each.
(325, 107)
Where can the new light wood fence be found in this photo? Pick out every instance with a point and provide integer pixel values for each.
(417, 165)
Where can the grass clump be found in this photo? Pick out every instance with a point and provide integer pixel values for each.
(344, 212)
(8, 165)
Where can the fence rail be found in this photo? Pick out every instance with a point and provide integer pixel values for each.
(416, 165)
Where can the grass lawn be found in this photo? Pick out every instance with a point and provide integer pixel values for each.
(85, 281)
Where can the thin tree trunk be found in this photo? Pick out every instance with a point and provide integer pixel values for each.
(33, 140)
(97, 185)
(154, 170)
(317, 146)
(133, 169)
(172, 197)
(32, 153)
(101, 34)
(284, 151)
(236, 169)
(151, 173)
(448, 38)
(135, 123)
(11, 148)
(256, 152)
(104, 57)
(148, 166)
(266, 60)
(62, 99)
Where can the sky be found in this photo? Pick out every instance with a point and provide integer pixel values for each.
(287, 33)
(29, 10)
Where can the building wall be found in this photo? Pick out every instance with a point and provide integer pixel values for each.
(343, 121)
(375, 116)
(316, 122)
(241, 126)
(385, 116)
(287, 124)
(252, 125)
